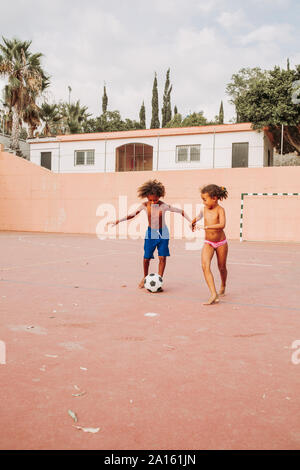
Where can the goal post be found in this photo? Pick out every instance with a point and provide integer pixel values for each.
(243, 195)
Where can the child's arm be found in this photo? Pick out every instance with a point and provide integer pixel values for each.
(128, 217)
(195, 220)
(222, 221)
(179, 211)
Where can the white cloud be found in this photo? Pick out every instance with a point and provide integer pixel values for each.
(273, 3)
(229, 20)
(207, 6)
(189, 39)
(269, 33)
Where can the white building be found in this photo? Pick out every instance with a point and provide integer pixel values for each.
(218, 146)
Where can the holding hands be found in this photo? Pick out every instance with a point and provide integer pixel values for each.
(199, 227)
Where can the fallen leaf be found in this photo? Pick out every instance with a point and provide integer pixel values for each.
(78, 394)
(92, 430)
(73, 415)
(168, 346)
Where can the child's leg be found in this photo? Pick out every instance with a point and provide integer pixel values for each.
(146, 264)
(207, 254)
(222, 252)
(162, 265)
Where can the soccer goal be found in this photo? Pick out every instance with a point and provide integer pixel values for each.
(243, 195)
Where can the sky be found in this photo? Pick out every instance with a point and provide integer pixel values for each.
(123, 43)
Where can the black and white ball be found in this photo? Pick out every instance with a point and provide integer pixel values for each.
(153, 282)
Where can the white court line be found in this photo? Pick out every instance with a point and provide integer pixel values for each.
(253, 264)
(45, 263)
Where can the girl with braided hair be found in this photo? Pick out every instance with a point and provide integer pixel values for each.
(215, 239)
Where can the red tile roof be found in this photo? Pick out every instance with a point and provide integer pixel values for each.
(166, 131)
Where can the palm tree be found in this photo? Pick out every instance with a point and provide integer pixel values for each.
(50, 115)
(32, 112)
(25, 81)
(74, 116)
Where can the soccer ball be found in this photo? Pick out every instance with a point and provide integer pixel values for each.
(153, 282)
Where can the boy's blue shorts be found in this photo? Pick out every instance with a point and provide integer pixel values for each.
(156, 238)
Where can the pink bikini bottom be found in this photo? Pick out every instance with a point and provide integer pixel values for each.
(216, 244)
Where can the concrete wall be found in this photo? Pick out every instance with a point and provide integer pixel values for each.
(164, 151)
(24, 146)
(35, 199)
(289, 159)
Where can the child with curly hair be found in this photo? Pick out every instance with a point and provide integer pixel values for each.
(215, 239)
(157, 234)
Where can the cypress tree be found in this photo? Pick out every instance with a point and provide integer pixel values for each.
(155, 108)
(166, 109)
(143, 116)
(288, 64)
(221, 114)
(104, 101)
(175, 110)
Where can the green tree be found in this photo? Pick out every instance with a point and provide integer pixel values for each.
(175, 109)
(32, 112)
(166, 109)
(194, 119)
(143, 116)
(221, 114)
(240, 84)
(271, 101)
(176, 121)
(191, 120)
(155, 108)
(74, 117)
(51, 117)
(104, 101)
(25, 81)
(131, 124)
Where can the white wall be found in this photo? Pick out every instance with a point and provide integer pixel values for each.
(36, 149)
(216, 154)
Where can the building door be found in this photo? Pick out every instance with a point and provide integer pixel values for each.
(240, 152)
(269, 158)
(46, 160)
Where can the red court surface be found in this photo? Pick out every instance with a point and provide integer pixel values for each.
(77, 338)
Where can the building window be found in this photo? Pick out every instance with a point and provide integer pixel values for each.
(240, 153)
(187, 153)
(84, 157)
(46, 160)
(134, 157)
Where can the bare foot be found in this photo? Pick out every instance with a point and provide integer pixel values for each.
(141, 284)
(214, 299)
(222, 291)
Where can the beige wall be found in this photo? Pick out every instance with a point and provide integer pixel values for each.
(35, 199)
